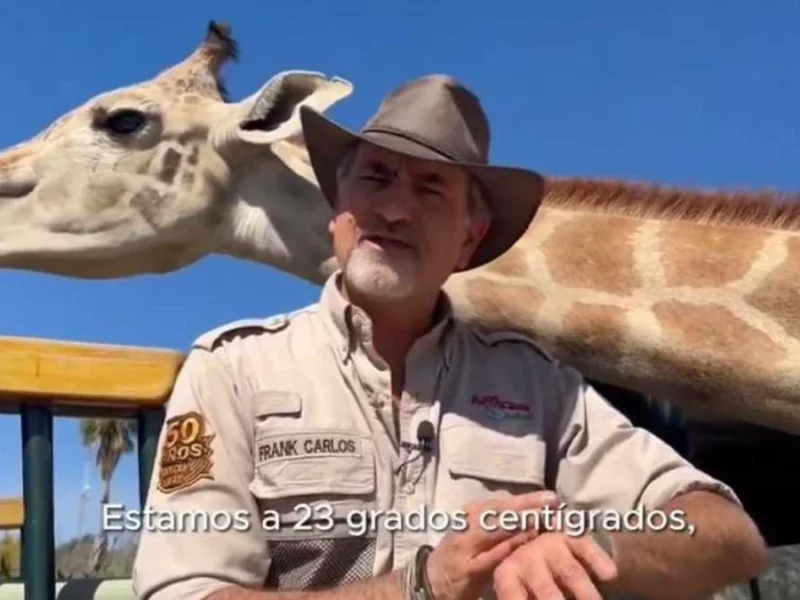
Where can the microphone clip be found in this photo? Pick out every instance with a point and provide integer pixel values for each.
(424, 445)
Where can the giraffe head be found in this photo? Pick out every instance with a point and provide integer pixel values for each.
(152, 177)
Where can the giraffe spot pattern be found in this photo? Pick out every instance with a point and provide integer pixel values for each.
(778, 295)
(149, 202)
(698, 255)
(510, 264)
(169, 165)
(512, 309)
(713, 332)
(596, 254)
(194, 155)
(593, 326)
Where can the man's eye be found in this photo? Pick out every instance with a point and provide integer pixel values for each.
(375, 178)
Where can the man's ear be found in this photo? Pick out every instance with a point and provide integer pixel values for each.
(476, 231)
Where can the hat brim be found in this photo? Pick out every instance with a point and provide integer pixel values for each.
(513, 194)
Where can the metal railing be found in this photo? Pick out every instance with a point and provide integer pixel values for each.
(42, 379)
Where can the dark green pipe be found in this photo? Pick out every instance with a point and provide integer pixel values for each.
(38, 544)
(148, 428)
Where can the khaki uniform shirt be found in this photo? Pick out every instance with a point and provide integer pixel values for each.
(291, 418)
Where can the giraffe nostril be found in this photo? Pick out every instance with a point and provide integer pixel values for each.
(16, 189)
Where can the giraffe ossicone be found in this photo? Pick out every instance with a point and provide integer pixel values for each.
(688, 296)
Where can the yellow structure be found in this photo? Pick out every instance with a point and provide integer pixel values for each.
(91, 375)
(41, 379)
(12, 513)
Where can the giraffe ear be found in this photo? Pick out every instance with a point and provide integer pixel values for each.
(273, 113)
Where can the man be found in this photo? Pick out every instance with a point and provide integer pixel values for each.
(375, 434)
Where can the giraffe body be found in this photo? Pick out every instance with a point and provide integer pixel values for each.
(690, 297)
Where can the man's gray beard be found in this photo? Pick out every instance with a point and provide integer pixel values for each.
(379, 277)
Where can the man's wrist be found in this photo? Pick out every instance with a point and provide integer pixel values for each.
(416, 585)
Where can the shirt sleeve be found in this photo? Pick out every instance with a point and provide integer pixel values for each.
(603, 462)
(201, 529)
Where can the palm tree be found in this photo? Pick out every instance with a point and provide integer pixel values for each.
(112, 439)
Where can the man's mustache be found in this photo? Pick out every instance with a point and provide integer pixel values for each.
(378, 235)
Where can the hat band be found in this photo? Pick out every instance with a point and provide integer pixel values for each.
(413, 138)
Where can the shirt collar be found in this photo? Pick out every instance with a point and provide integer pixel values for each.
(351, 326)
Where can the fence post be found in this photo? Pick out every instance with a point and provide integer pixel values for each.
(149, 423)
(38, 544)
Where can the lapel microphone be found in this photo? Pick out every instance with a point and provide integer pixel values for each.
(425, 436)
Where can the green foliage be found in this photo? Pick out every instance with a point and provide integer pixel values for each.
(10, 551)
(111, 439)
(74, 558)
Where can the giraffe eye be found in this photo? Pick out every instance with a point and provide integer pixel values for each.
(124, 121)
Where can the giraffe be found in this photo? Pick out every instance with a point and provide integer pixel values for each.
(154, 176)
(692, 296)
(686, 295)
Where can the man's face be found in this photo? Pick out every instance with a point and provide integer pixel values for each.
(402, 225)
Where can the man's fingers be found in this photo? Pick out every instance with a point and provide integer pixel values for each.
(570, 574)
(530, 501)
(538, 579)
(490, 559)
(592, 555)
(498, 519)
(508, 584)
(521, 502)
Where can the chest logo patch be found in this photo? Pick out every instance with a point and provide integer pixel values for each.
(498, 409)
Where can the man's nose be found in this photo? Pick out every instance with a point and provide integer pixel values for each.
(395, 204)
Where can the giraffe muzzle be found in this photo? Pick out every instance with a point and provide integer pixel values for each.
(17, 176)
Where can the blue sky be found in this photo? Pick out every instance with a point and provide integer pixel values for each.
(682, 92)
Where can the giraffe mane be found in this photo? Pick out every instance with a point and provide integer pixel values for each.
(763, 209)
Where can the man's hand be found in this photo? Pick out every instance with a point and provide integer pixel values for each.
(554, 566)
(461, 566)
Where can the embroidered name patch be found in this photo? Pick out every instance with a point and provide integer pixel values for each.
(308, 444)
(185, 453)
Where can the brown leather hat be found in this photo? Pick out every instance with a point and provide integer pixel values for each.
(435, 118)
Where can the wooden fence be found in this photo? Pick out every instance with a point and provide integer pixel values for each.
(42, 379)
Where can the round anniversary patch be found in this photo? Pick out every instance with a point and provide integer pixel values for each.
(185, 453)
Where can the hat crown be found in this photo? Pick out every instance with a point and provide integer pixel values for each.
(438, 112)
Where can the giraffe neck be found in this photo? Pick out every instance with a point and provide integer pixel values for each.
(702, 312)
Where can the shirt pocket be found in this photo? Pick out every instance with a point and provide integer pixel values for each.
(478, 463)
(272, 407)
(316, 488)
